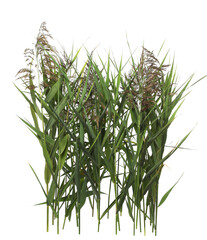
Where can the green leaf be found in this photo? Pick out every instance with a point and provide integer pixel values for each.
(63, 157)
(167, 193)
(94, 141)
(86, 126)
(77, 175)
(53, 187)
(70, 207)
(118, 79)
(109, 207)
(81, 82)
(38, 180)
(34, 117)
(53, 91)
(166, 157)
(104, 89)
(63, 188)
(63, 144)
(125, 190)
(129, 209)
(39, 133)
(57, 109)
(48, 163)
(85, 85)
(83, 193)
(108, 68)
(34, 107)
(47, 174)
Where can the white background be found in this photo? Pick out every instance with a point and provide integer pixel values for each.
(182, 24)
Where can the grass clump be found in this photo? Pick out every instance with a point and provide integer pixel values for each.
(99, 127)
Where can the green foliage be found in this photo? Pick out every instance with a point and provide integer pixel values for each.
(97, 127)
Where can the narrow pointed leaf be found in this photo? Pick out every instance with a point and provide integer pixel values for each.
(165, 196)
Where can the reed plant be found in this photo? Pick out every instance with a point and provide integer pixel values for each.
(98, 128)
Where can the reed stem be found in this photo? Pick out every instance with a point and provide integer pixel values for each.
(47, 209)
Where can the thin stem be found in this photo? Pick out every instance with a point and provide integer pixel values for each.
(134, 223)
(109, 197)
(156, 208)
(144, 217)
(47, 211)
(93, 203)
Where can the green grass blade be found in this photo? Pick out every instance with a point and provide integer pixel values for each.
(38, 181)
(166, 157)
(53, 91)
(165, 196)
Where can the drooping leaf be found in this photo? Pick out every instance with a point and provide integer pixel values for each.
(165, 196)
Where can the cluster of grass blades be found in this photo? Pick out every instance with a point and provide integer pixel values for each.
(100, 127)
